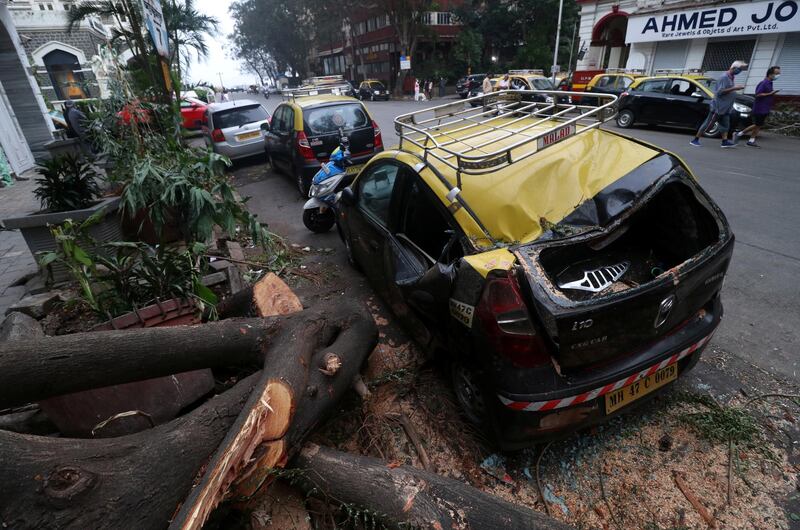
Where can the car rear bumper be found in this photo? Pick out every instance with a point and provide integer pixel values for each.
(235, 152)
(309, 168)
(521, 420)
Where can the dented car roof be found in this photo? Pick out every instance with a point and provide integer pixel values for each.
(515, 201)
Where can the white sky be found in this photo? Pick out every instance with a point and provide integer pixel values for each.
(218, 60)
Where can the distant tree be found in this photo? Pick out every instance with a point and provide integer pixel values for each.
(468, 49)
(281, 28)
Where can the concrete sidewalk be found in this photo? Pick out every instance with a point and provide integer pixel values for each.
(16, 260)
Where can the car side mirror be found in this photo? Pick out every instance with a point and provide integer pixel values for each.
(348, 197)
(265, 126)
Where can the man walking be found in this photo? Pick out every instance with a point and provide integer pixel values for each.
(721, 105)
(765, 97)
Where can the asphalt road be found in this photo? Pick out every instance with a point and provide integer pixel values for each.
(758, 189)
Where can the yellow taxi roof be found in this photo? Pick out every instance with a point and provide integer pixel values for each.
(513, 201)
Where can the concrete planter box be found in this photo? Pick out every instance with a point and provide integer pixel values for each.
(39, 239)
(67, 146)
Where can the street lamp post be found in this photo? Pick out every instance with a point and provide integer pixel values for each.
(554, 68)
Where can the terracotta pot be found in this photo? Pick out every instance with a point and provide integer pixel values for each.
(142, 228)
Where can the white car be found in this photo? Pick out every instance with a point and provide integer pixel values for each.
(234, 128)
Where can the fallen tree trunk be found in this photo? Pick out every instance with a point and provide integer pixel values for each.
(268, 296)
(134, 481)
(138, 481)
(408, 497)
(33, 370)
(281, 412)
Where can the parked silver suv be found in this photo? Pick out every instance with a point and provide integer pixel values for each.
(234, 128)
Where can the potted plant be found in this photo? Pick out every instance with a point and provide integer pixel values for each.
(67, 189)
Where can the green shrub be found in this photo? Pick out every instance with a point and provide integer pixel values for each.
(67, 183)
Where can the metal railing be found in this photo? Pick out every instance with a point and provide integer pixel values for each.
(472, 135)
(336, 90)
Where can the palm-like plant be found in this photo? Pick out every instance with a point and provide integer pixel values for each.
(188, 29)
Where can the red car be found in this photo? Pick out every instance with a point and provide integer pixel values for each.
(193, 113)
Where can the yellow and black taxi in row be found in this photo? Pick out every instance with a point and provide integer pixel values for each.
(679, 99)
(372, 89)
(566, 272)
(304, 131)
(612, 81)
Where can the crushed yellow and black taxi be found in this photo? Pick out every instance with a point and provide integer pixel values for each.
(566, 272)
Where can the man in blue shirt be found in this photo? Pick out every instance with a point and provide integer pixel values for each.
(721, 105)
(765, 97)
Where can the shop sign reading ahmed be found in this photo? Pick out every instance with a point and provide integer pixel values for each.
(778, 16)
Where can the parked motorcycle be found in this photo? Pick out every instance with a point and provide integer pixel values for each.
(319, 212)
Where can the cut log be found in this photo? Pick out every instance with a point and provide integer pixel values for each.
(139, 481)
(281, 413)
(268, 296)
(134, 481)
(33, 370)
(410, 497)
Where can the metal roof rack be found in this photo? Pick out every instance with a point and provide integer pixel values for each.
(473, 140)
(679, 71)
(526, 72)
(478, 140)
(637, 71)
(336, 90)
(324, 79)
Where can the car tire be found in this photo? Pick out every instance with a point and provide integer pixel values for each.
(303, 184)
(351, 258)
(319, 222)
(713, 132)
(625, 119)
(272, 164)
(471, 396)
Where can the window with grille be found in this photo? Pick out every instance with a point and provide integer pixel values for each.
(721, 54)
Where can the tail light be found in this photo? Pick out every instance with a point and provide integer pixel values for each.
(378, 137)
(217, 135)
(303, 147)
(508, 325)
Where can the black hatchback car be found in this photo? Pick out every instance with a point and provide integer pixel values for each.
(469, 83)
(681, 101)
(304, 131)
(372, 89)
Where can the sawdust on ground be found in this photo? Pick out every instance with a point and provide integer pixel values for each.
(638, 489)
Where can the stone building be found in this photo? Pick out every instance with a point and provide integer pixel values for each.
(705, 35)
(61, 60)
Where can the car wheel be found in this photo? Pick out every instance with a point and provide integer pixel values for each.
(713, 131)
(303, 184)
(348, 248)
(317, 221)
(625, 119)
(272, 163)
(469, 393)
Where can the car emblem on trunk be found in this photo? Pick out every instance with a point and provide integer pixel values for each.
(664, 309)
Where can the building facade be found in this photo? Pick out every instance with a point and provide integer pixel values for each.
(705, 35)
(369, 48)
(64, 62)
(25, 127)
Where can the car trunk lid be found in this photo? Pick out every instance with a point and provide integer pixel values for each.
(241, 125)
(604, 294)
